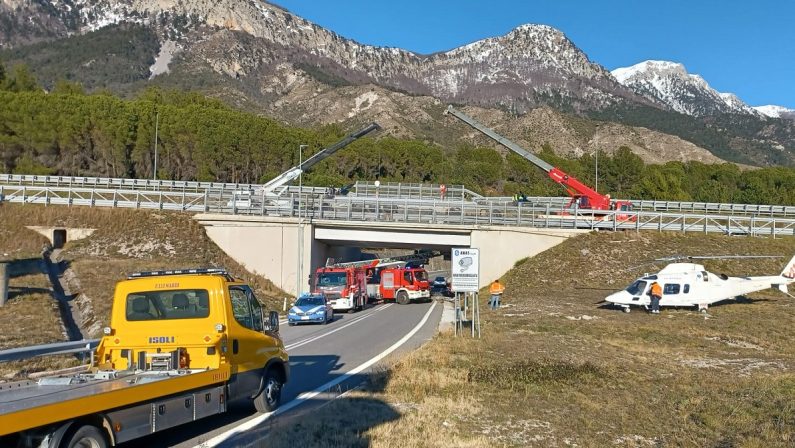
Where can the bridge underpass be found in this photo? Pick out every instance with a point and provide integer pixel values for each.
(270, 246)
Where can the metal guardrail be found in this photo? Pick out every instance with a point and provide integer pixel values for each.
(58, 348)
(413, 191)
(120, 183)
(418, 211)
(667, 206)
(385, 190)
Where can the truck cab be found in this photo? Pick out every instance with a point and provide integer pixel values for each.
(204, 321)
(344, 287)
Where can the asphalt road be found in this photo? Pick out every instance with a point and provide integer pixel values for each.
(319, 354)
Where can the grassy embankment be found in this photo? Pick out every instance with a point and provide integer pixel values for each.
(555, 368)
(124, 241)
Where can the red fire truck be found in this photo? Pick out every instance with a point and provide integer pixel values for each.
(344, 286)
(404, 284)
(392, 278)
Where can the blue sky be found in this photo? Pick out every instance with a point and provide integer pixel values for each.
(745, 47)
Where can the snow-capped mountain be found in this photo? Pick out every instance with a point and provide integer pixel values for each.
(530, 66)
(671, 84)
(256, 54)
(776, 111)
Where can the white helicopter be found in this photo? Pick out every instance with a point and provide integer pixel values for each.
(689, 284)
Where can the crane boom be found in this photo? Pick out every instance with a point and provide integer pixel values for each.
(587, 197)
(321, 155)
(500, 139)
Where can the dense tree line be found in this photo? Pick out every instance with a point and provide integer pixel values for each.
(64, 131)
(112, 57)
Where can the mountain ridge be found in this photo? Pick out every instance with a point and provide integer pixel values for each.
(262, 57)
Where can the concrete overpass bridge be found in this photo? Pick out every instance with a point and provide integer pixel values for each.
(271, 246)
(268, 234)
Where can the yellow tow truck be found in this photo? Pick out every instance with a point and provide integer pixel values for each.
(181, 345)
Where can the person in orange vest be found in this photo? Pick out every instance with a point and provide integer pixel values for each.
(442, 191)
(496, 289)
(655, 292)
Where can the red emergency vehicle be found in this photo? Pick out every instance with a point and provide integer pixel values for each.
(404, 284)
(344, 286)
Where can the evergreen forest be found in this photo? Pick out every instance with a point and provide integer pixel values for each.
(65, 131)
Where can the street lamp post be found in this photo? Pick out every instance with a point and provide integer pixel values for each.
(157, 122)
(596, 187)
(299, 270)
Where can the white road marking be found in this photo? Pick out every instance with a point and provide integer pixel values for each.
(317, 391)
(315, 338)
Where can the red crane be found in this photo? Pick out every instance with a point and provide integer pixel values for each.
(585, 196)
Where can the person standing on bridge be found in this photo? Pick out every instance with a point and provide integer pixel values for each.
(496, 289)
(442, 191)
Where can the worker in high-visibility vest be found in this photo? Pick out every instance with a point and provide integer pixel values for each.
(496, 289)
(655, 293)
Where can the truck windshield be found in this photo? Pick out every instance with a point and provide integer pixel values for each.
(332, 279)
(637, 288)
(421, 276)
(164, 305)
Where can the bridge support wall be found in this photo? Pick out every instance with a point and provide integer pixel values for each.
(269, 246)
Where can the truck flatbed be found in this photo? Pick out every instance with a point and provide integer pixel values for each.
(29, 403)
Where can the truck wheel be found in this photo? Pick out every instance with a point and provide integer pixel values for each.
(268, 400)
(402, 298)
(87, 437)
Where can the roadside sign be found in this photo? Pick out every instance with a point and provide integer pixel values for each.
(465, 270)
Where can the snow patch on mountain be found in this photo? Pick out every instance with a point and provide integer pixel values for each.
(670, 83)
(734, 102)
(775, 111)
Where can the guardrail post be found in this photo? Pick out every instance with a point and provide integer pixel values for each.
(206, 193)
(3, 283)
(546, 216)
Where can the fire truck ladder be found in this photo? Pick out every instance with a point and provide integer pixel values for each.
(416, 257)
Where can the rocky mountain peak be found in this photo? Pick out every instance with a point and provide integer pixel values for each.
(670, 83)
(776, 111)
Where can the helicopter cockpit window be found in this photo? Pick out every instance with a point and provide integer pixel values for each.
(637, 288)
(671, 288)
(686, 289)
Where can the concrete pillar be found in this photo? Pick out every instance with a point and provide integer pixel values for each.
(3, 283)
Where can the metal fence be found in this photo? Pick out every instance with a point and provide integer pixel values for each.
(313, 205)
(120, 183)
(664, 206)
(412, 191)
(58, 348)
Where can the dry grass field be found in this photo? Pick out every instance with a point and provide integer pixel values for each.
(555, 368)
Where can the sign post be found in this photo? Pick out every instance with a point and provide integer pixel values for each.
(465, 278)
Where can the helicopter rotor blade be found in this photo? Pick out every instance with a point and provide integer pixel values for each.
(713, 257)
